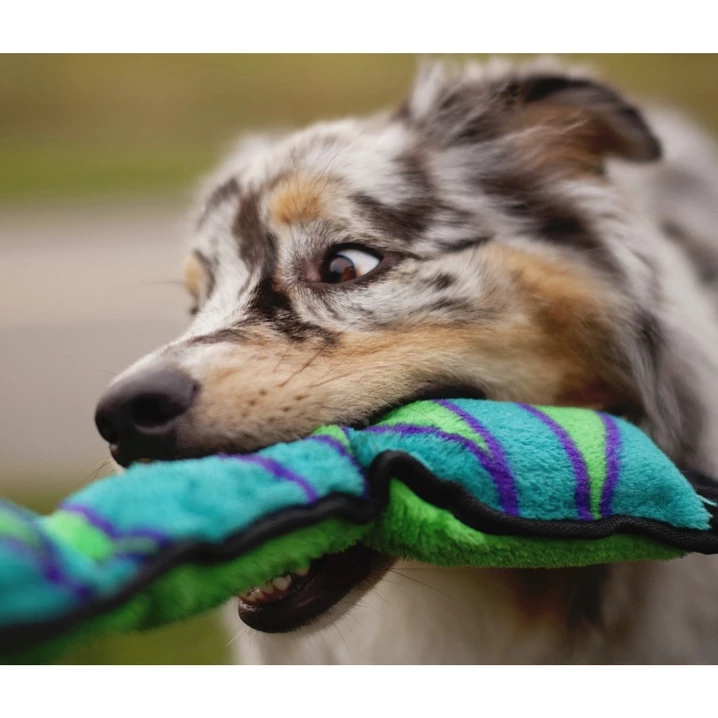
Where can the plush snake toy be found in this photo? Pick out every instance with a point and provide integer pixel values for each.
(461, 482)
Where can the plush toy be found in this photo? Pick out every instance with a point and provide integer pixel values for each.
(459, 482)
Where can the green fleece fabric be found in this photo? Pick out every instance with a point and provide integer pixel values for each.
(401, 532)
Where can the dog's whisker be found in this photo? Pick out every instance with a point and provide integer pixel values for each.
(356, 620)
(375, 591)
(94, 472)
(341, 635)
(422, 583)
(235, 637)
(302, 368)
(331, 379)
(363, 604)
(283, 357)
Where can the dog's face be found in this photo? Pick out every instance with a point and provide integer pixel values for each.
(468, 243)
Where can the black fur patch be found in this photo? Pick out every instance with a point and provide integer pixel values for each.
(218, 197)
(408, 220)
(271, 305)
(446, 303)
(462, 245)
(257, 245)
(441, 281)
(523, 195)
(405, 223)
(650, 335)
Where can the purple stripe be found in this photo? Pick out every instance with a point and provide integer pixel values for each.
(613, 463)
(340, 448)
(104, 525)
(502, 473)
(51, 570)
(280, 472)
(92, 518)
(484, 459)
(580, 471)
(342, 451)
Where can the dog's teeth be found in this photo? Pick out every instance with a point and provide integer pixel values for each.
(252, 596)
(282, 582)
(271, 590)
(302, 571)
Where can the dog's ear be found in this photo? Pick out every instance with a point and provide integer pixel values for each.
(560, 117)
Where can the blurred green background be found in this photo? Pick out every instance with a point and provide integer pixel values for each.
(75, 124)
(98, 154)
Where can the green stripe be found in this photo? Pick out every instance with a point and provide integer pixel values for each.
(74, 529)
(335, 432)
(429, 414)
(585, 428)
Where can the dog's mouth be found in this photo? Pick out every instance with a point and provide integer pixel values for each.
(289, 602)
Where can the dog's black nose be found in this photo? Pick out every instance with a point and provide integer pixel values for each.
(138, 415)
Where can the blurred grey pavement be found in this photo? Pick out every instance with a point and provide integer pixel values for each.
(84, 291)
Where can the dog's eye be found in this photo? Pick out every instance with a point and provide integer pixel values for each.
(344, 265)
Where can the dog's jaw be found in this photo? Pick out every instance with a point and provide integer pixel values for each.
(298, 600)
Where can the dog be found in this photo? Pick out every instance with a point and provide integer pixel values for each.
(516, 232)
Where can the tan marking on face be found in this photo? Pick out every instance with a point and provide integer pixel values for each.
(571, 315)
(195, 276)
(309, 384)
(548, 342)
(298, 198)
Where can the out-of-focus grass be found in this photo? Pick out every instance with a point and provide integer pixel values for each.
(198, 641)
(48, 173)
(96, 124)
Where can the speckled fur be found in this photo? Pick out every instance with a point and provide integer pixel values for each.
(542, 252)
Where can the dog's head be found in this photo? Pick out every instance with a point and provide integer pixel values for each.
(468, 243)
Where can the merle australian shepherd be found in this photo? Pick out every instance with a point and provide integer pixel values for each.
(517, 233)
